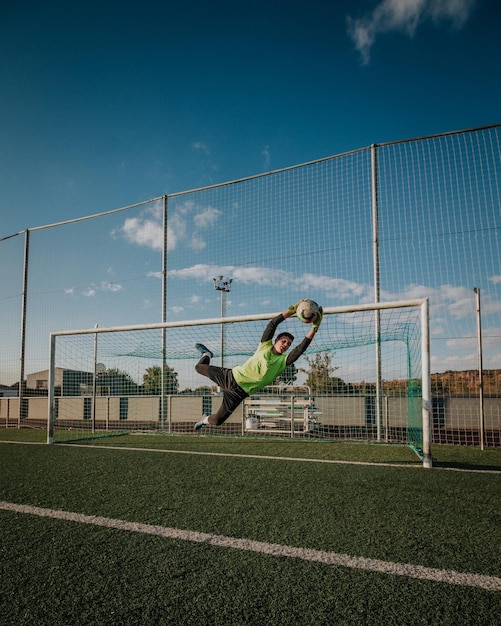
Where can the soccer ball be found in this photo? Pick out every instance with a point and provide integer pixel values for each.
(307, 311)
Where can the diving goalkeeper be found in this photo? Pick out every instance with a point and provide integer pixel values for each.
(260, 370)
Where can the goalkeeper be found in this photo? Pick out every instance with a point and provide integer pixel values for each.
(261, 369)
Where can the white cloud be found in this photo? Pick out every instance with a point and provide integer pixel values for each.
(261, 275)
(441, 363)
(448, 300)
(207, 217)
(200, 146)
(113, 287)
(404, 16)
(245, 275)
(104, 286)
(267, 157)
(176, 230)
(185, 208)
(185, 224)
(333, 287)
(197, 243)
(143, 232)
(338, 287)
(463, 343)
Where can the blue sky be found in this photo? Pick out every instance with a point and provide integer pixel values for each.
(104, 105)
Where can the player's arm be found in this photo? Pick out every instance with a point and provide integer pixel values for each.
(298, 350)
(270, 329)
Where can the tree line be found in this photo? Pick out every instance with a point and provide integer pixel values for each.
(320, 378)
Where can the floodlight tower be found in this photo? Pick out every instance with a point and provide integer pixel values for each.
(223, 286)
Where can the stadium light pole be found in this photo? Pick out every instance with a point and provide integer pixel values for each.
(223, 286)
(480, 368)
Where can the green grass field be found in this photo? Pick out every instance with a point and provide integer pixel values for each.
(298, 496)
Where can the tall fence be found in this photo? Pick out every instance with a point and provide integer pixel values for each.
(413, 219)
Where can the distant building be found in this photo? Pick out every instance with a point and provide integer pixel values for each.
(71, 382)
(7, 392)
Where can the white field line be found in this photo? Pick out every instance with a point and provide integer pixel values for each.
(490, 583)
(239, 455)
(416, 465)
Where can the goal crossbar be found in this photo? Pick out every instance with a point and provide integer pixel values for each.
(256, 317)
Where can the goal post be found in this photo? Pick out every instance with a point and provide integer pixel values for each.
(367, 384)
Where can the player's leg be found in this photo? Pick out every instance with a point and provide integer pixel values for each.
(233, 394)
(230, 402)
(215, 374)
(204, 350)
(202, 367)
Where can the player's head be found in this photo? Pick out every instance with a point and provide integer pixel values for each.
(283, 342)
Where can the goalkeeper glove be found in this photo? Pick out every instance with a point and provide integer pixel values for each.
(318, 320)
(293, 307)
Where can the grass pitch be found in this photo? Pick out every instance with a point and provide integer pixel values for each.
(300, 495)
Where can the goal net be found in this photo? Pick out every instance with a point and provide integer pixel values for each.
(365, 377)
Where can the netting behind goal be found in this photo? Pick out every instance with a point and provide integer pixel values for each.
(361, 378)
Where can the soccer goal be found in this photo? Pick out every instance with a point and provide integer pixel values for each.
(365, 377)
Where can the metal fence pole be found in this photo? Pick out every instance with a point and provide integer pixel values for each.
(375, 253)
(51, 418)
(22, 383)
(163, 392)
(426, 383)
(480, 369)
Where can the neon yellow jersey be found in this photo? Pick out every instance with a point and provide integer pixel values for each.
(260, 369)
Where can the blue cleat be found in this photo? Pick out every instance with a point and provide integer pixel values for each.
(203, 422)
(204, 350)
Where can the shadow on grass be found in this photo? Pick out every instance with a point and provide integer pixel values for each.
(467, 467)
